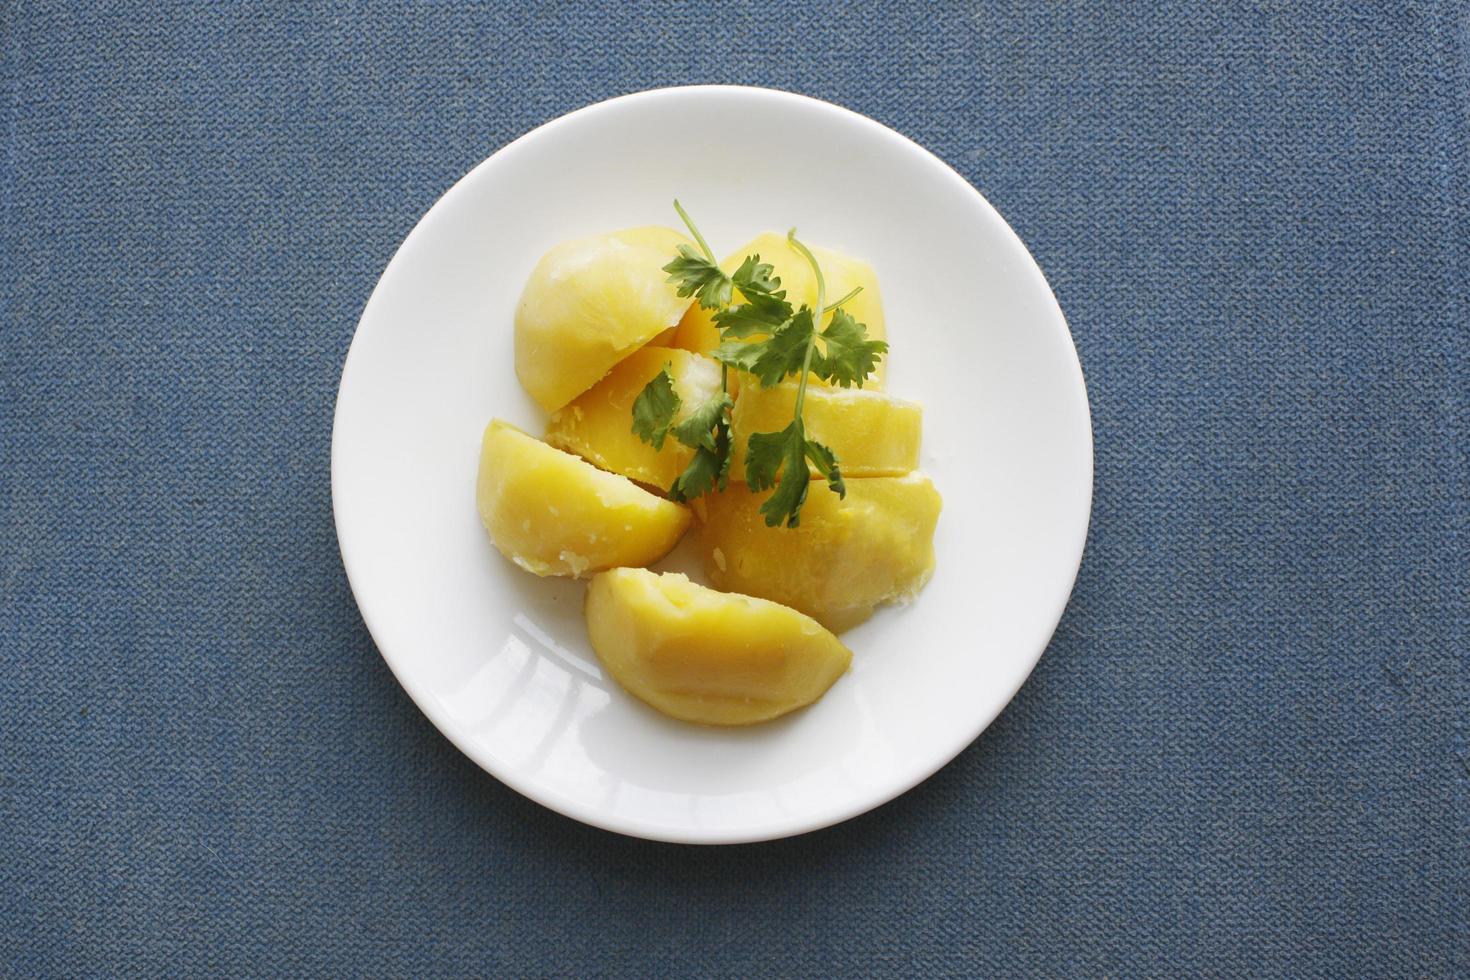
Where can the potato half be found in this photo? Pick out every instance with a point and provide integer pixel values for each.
(872, 434)
(590, 302)
(554, 514)
(705, 656)
(846, 557)
(598, 424)
(841, 273)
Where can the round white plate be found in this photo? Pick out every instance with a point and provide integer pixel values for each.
(499, 660)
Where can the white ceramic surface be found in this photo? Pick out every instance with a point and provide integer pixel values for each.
(499, 660)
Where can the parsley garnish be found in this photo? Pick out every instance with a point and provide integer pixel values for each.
(766, 337)
(706, 430)
(654, 408)
(699, 277)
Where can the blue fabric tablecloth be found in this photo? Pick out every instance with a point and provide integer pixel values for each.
(1245, 750)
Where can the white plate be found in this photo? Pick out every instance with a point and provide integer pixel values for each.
(499, 660)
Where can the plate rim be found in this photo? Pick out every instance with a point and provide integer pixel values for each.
(776, 830)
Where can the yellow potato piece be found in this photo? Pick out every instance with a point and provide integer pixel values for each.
(846, 556)
(697, 330)
(554, 514)
(588, 303)
(700, 655)
(873, 434)
(598, 424)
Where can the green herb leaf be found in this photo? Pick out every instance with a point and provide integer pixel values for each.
(850, 356)
(654, 408)
(698, 477)
(765, 454)
(709, 467)
(697, 431)
(762, 314)
(784, 352)
(784, 505)
(698, 276)
(764, 306)
(825, 460)
(779, 459)
(773, 358)
(756, 278)
(737, 354)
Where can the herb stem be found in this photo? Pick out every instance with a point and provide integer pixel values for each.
(710, 255)
(811, 343)
(832, 306)
(689, 223)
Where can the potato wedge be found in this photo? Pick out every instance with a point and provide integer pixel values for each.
(598, 424)
(846, 557)
(554, 514)
(705, 656)
(873, 434)
(588, 304)
(697, 331)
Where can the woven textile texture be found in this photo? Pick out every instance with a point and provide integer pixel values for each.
(1244, 752)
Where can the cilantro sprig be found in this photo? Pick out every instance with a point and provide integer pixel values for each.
(706, 430)
(766, 337)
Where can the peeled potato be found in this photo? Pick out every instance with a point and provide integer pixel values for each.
(554, 514)
(598, 424)
(846, 557)
(706, 656)
(841, 273)
(588, 303)
(873, 434)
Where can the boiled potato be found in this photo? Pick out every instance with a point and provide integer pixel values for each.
(697, 331)
(706, 656)
(873, 434)
(554, 514)
(590, 302)
(598, 424)
(846, 556)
